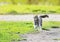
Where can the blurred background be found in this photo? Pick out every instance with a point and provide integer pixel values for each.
(29, 6)
(38, 2)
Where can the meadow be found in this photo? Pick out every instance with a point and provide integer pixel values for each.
(19, 9)
(10, 31)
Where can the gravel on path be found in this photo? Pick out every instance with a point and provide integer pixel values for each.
(53, 35)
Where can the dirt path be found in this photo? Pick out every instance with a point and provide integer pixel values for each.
(27, 18)
(53, 35)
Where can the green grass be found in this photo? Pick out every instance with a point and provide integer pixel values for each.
(50, 24)
(29, 9)
(10, 31)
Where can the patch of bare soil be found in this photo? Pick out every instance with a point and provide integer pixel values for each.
(53, 35)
